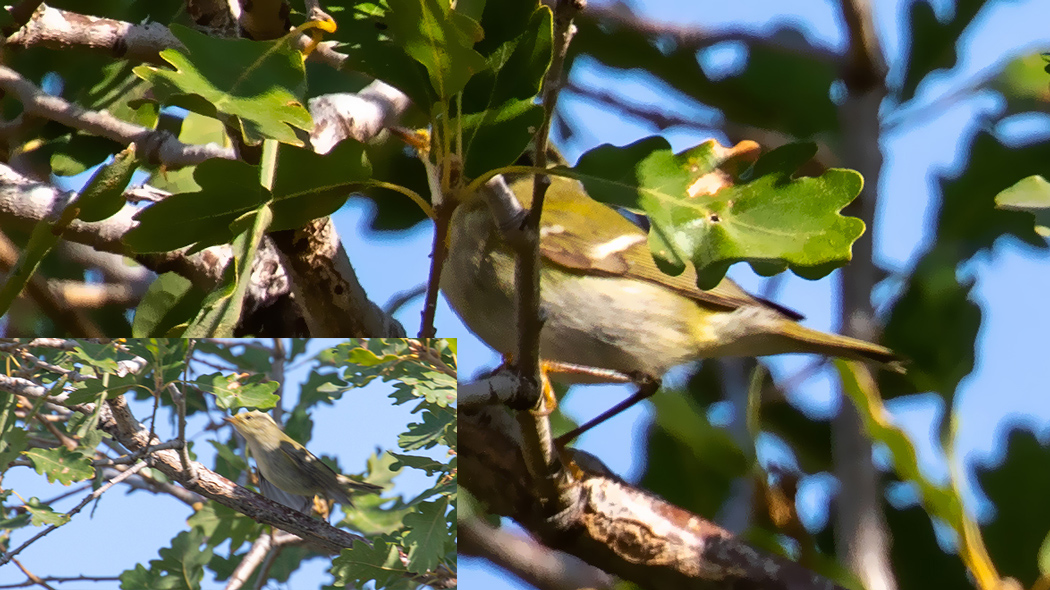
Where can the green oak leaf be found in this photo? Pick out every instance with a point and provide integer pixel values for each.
(221, 309)
(775, 88)
(44, 515)
(257, 87)
(380, 562)
(439, 38)
(370, 50)
(307, 185)
(220, 523)
(229, 189)
(426, 535)
(428, 433)
(934, 40)
(234, 391)
(180, 567)
(767, 218)
(170, 301)
(61, 464)
(516, 68)
(498, 136)
(1021, 516)
(103, 196)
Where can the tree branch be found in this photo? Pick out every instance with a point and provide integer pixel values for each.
(860, 530)
(157, 147)
(613, 525)
(325, 285)
(54, 28)
(25, 202)
(67, 317)
(6, 557)
(532, 562)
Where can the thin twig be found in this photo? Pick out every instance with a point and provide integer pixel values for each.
(279, 358)
(428, 354)
(537, 443)
(659, 118)
(184, 453)
(442, 219)
(689, 37)
(6, 557)
(62, 579)
(32, 577)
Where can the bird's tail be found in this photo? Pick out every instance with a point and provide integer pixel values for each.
(352, 485)
(835, 345)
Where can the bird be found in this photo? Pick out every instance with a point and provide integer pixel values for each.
(605, 304)
(289, 466)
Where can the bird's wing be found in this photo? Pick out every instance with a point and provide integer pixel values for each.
(615, 246)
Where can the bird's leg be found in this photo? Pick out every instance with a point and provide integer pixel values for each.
(647, 386)
(576, 374)
(322, 506)
(548, 401)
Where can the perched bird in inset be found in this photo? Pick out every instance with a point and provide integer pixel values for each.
(287, 464)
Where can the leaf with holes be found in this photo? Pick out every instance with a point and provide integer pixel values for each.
(765, 216)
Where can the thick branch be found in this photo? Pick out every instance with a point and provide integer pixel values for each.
(540, 566)
(332, 300)
(60, 29)
(613, 525)
(119, 422)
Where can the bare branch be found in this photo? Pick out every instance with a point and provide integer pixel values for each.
(61, 579)
(155, 146)
(326, 288)
(20, 15)
(75, 295)
(535, 564)
(54, 305)
(613, 525)
(119, 478)
(32, 577)
(361, 115)
(660, 118)
(24, 203)
(258, 551)
(60, 29)
(861, 536)
(539, 450)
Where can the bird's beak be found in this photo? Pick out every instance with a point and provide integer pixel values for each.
(228, 419)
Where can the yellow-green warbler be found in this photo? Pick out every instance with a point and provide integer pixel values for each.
(288, 465)
(604, 302)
